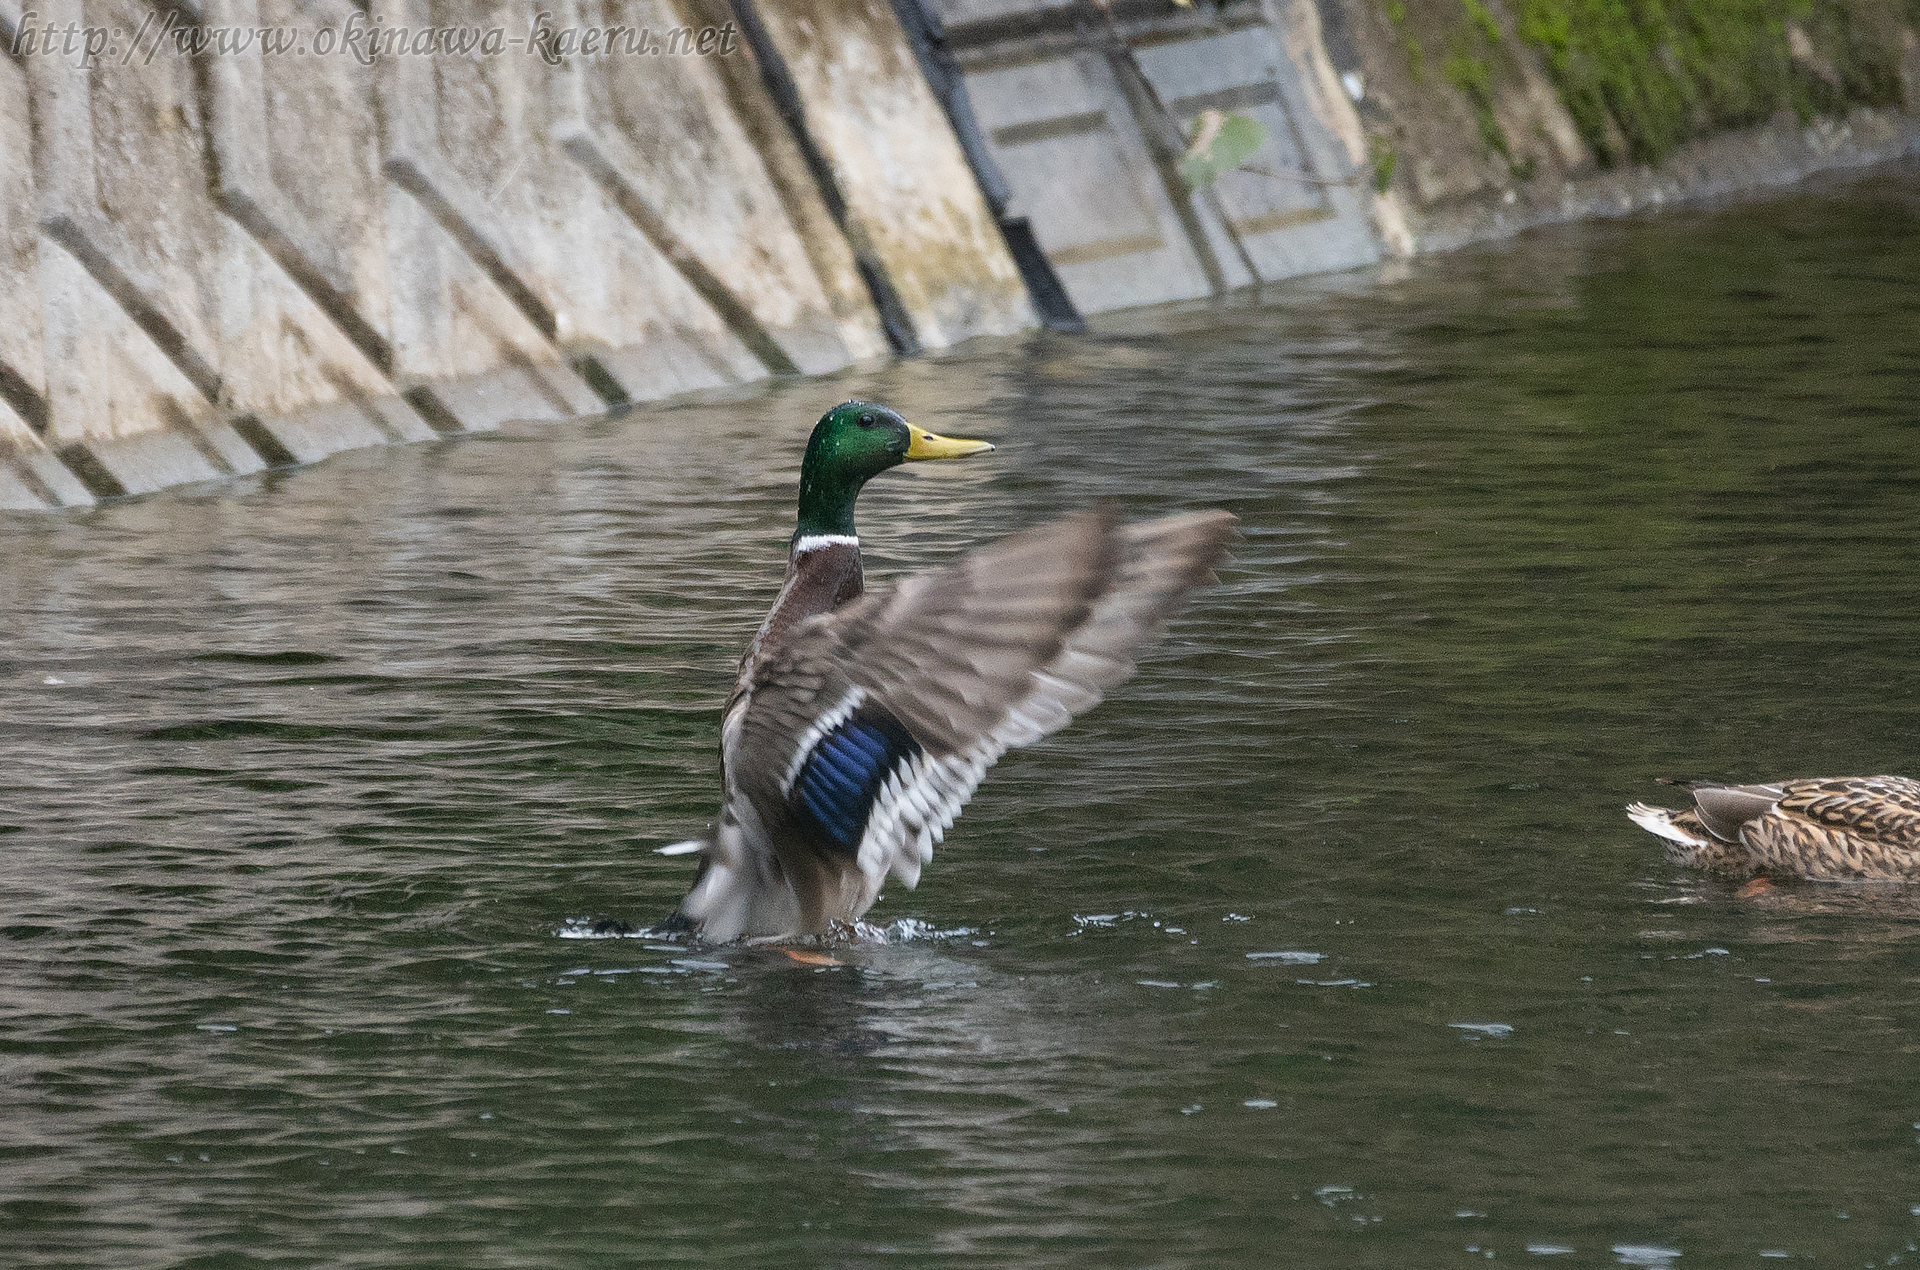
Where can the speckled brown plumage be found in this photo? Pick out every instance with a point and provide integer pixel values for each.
(1828, 828)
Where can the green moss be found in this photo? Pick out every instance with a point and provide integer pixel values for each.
(1468, 68)
(1416, 60)
(1641, 76)
(1474, 78)
(1385, 159)
(1482, 20)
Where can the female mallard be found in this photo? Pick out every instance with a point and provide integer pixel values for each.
(861, 724)
(1830, 828)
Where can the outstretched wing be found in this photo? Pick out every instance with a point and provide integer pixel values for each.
(872, 726)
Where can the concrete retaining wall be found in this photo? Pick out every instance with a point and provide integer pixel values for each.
(216, 261)
(221, 261)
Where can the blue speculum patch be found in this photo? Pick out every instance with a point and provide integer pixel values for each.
(838, 783)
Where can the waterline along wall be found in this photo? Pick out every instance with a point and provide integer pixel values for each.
(242, 233)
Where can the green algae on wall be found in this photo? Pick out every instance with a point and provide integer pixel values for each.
(1473, 42)
(1474, 78)
(1641, 76)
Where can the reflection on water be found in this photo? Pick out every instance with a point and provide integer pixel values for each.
(1326, 934)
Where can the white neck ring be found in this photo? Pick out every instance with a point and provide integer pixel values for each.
(814, 542)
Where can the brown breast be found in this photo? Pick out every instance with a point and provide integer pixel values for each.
(819, 580)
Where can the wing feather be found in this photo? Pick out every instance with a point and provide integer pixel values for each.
(993, 652)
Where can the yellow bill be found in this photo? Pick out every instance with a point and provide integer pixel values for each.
(926, 445)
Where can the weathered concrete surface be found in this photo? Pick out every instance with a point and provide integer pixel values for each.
(695, 140)
(909, 191)
(1081, 173)
(1274, 71)
(212, 263)
(122, 193)
(23, 379)
(1086, 118)
(506, 254)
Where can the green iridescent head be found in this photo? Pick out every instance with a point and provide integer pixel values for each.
(854, 442)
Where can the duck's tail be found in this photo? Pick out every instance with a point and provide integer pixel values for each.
(1664, 823)
(1689, 841)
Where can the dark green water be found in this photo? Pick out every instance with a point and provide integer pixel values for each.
(303, 779)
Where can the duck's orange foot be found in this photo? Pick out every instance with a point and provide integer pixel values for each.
(809, 958)
(1757, 886)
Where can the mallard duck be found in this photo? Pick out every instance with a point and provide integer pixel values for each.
(861, 723)
(1827, 828)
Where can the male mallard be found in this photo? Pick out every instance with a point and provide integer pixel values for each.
(860, 724)
(1829, 828)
